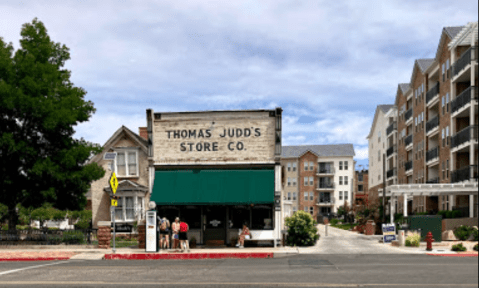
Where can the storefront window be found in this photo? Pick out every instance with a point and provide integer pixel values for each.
(192, 216)
(262, 218)
(238, 216)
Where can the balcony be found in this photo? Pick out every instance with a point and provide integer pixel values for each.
(408, 115)
(325, 186)
(464, 98)
(325, 202)
(432, 154)
(408, 140)
(391, 150)
(391, 173)
(391, 128)
(431, 124)
(465, 135)
(408, 165)
(433, 180)
(432, 93)
(325, 170)
(464, 60)
(464, 174)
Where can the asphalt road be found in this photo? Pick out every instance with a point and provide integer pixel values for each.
(295, 271)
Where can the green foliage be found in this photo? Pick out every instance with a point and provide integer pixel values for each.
(463, 232)
(458, 247)
(341, 211)
(40, 108)
(73, 237)
(422, 213)
(3, 211)
(475, 247)
(413, 240)
(446, 214)
(334, 222)
(302, 229)
(475, 233)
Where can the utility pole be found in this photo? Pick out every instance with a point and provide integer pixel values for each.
(384, 187)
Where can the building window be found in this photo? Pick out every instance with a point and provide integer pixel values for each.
(311, 181)
(346, 195)
(379, 156)
(360, 188)
(311, 166)
(294, 181)
(443, 137)
(447, 69)
(345, 165)
(447, 169)
(443, 72)
(360, 177)
(125, 211)
(294, 166)
(306, 196)
(289, 166)
(447, 102)
(340, 180)
(311, 210)
(443, 102)
(289, 181)
(295, 209)
(305, 181)
(126, 163)
(289, 195)
(311, 196)
(340, 165)
(379, 136)
(443, 170)
(305, 166)
(447, 135)
(345, 180)
(306, 209)
(294, 195)
(340, 195)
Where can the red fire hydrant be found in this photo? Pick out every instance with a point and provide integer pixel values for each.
(429, 241)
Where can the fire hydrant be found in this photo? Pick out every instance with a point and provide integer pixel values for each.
(429, 241)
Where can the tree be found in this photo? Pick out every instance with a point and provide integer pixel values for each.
(40, 161)
(302, 229)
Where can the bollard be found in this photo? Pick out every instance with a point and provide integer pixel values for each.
(326, 229)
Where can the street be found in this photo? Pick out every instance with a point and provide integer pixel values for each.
(294, 271)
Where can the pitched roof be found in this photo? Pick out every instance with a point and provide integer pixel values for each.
(424, 63)
(464, 37)
(453, 31)
(320, 150)
(404, 87)
(385, 108)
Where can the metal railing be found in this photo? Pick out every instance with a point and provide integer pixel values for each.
(408, 114)
(465, 173)
(408, 140)
(433, 92)
(433, 180)
(408, 165)
(391, 173)
(432, 154)
(325, 169)
(465, 135)
(464, 60)
(464, 98)
(431, 124)
(326, 185)
(391, 150)
(326, 201)
(391, 128)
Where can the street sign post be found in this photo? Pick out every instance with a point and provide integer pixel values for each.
(114, 203)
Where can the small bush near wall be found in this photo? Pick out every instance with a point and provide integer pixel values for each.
(450, 214)
(475, 247)
(463, 232)
(413, 240)
(475, 233)
(334, 221)
(302, 229)
(458, 247)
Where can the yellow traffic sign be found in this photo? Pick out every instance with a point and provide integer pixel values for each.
(113, 182)
(114, 202)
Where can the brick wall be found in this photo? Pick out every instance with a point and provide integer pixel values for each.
(402, 155)
(373, 195)
(143, 132)
(308, 157)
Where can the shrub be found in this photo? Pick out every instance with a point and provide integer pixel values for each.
(302, 229)
(475, 233)
(463, 232)
(475, 247)
(446, 214)
(73, 237)
(413, 240)
(334, 222)
(458, 247)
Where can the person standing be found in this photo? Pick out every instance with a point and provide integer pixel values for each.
(183, 236)
(164, 233)
(175, 227)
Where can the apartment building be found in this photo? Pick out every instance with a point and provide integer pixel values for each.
(377, 150)
(317, 178)
(432, 129)
(361, 186)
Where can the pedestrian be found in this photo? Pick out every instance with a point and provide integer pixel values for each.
(164, 233)
(183, 236)
(158, 224)
(244, 234)
(175, 229)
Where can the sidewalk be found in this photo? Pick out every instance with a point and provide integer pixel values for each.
(74, 253)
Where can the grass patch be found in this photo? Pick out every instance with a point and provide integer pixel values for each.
(344, 226)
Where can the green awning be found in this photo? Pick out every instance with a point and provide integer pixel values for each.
(213, 187)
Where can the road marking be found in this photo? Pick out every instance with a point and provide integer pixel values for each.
(296, 284)
(30, 267)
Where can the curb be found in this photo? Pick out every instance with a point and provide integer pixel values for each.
(189, 256)
(35, 259)
(453, 255)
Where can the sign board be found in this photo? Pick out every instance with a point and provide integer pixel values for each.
(114, 202)
(215, 223)
(151, 240)
(113, 182)
(109, 156)
(123, 228)
(389, 232)
(225, 136)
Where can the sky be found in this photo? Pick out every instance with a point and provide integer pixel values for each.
(328, 64)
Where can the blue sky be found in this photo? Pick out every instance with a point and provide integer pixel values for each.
(328, 64)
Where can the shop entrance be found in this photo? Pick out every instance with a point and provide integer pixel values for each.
(214, 224)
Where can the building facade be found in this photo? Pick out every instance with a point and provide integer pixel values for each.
(361, 188)
(321, 178)
(432, 127)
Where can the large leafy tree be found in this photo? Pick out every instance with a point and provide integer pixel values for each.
(40, 161)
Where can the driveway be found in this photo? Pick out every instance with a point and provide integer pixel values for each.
(340, 241)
